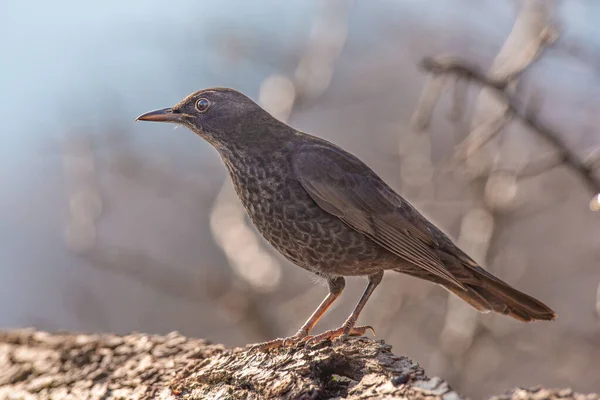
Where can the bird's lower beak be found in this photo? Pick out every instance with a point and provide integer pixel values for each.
(162, 115)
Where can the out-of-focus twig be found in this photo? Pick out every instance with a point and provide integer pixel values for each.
(593, 159)
(427, 102)
(459, 100)
(516, 108)
(540, 166)
(480, 136)
(495, 187)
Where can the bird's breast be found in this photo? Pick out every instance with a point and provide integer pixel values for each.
(289, 219)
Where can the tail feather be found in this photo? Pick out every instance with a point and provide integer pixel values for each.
(488, 293)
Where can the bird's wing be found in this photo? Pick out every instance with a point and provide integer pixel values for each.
(344, 186)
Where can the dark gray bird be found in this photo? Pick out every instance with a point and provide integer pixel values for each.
(329, 213)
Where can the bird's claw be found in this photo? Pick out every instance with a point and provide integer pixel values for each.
(338, 335)
(277, 343)
(293, 340)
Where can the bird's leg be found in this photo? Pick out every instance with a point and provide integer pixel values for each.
(349, 328)
(336, 285)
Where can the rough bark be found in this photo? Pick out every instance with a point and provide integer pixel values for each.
(39, 365)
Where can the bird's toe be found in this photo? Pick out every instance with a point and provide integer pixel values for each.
(280, 342)
(338, 335)
(264, 346)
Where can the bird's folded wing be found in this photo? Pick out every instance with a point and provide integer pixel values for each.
(344, 186)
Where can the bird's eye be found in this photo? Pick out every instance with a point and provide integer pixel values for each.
(202, 105)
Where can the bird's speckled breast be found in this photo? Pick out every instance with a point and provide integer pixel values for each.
(294, 224)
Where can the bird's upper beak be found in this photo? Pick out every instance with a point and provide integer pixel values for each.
(162, 115)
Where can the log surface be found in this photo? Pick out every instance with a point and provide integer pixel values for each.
(39, 365)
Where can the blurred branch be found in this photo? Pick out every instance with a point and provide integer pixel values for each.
(454, 67)
(427, 102)
(593, 159)
(480, 135)
(540, 166)
(459, 100)
(493, 187)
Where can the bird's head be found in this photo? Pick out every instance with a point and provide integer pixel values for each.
(219, 115)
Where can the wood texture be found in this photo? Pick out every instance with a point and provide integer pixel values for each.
(39, 365)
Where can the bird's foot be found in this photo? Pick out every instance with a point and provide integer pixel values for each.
(339, 335)
(282, 342)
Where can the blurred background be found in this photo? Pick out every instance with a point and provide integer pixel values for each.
(111, 226)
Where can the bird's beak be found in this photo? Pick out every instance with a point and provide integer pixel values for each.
(162, 115)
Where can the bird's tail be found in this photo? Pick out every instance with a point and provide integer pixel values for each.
(488, 293)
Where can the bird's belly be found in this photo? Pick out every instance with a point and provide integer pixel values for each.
(312, 238)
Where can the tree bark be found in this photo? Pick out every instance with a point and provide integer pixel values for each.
(39, 365)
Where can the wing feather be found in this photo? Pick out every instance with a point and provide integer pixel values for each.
(345, 187)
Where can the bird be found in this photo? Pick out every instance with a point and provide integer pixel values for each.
(326, 211)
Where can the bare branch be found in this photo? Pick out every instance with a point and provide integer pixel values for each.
(459, 99)
(571, 159)
(427, 102)
(593, 159)
(595, 203)
(480, 136)
(540, 166)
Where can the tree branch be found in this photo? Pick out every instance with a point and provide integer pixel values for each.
(469, 72)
